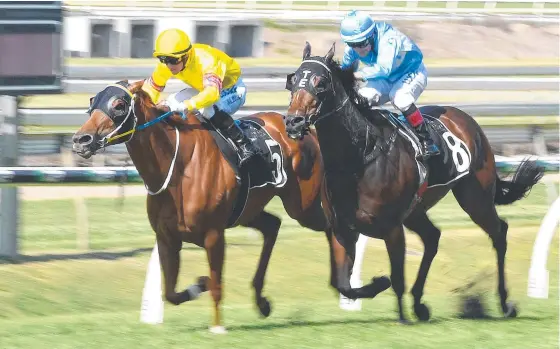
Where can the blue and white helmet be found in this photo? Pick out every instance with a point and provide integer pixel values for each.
(356, 27)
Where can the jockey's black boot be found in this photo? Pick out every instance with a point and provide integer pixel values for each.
(227, 125)
(430, 148)
(416, 119)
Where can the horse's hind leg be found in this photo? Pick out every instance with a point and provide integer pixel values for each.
(170, 258)
(396, 248)
(478, 203)
(268, 225)
(420, 223)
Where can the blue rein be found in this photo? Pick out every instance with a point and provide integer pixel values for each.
(158, 119)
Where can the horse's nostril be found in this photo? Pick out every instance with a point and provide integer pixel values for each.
(83, 139)
(298, 120)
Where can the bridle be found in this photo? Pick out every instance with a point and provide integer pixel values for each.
(113, 135)
(317, 114)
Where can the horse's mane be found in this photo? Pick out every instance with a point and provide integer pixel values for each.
(349, 82)
(150, 108)
(143, 98)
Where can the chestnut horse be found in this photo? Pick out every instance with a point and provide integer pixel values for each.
(201, 189)
(376, 179)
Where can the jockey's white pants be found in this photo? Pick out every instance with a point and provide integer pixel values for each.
(231, 99)
(402, 93)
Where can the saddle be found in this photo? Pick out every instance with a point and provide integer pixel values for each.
(454, 160)
(267, 168)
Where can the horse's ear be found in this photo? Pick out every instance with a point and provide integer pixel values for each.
(330, 54)
(123, 83)
(135, 86)
(307, 50)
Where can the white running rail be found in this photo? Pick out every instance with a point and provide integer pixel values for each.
(539, 7)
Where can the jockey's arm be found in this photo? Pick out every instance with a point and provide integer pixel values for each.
(212, 76)
(155, 84)
(350, 59)
(386, 59)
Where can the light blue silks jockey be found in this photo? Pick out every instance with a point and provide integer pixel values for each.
(393, 68)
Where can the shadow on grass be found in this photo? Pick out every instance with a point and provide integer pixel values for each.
(94, 255)
(98, 255)
(289, 323)
(489, 318)
(322, 323)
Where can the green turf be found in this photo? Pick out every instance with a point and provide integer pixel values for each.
(59, 298)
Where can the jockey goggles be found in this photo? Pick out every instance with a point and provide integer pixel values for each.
(359, 44)
(169, 60)
(174, 59)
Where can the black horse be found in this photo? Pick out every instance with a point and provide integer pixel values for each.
(376, 180)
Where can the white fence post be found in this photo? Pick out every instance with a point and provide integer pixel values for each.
(8, 196)
(152, 302)
(537, 286)
(80, 207)
(355, 278)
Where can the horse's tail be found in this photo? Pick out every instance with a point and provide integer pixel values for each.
(526, 176)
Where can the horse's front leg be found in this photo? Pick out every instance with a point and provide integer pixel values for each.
(169, 256)
(268, 225)
(214, 243)
(395, 243)
(342, 260)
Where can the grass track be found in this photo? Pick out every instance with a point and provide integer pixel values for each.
(60, 298)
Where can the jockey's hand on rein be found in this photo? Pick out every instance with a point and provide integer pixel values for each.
(178, 115)
(162, 106)
(359, 76)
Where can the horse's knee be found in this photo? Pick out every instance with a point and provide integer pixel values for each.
(173, 298)
(432, 243)
(499, 239)
(346, 291)
(503, 227)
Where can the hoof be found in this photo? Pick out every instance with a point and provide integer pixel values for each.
(202, 282)
(422, 312)
(510, 311)
(404, 322)
(218, 330)
(264, 307)
(381, 283)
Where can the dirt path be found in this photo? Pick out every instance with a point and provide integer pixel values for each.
(488, 40)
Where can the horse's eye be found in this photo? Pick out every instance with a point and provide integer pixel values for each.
(320, 83)
(118, 107)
